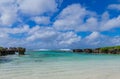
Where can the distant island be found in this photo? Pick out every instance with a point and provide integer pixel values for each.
(12, 51)
(104, 50)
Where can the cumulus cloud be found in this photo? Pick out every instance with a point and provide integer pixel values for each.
(111, 23)
(77, 18)
(22, 29)
(115, 40)
(68, 38)
(48, 34)
(49, 38)
(71, 17)
(91, 24)
(94, 38)
(62, 32)
(37, 7)
(40, 34)
(3, 35)
(13, 11)
(8, 12)
(41, 20)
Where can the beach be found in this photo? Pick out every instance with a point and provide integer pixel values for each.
(60, 65)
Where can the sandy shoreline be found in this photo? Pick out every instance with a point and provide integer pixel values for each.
(65, 75)
(66, 66)
(57, 71)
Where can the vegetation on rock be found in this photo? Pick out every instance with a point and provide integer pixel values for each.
(106, 50)
(12, 50)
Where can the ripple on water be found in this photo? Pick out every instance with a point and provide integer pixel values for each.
(5, 60)
(52, 65)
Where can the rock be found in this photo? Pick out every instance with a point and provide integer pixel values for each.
(111, 51)
(3, 52)
(88, 50)
(104, 50)
(21, 51)
(77, 50)
(97, 50)
(11, 51)
(117, 51)
(0, 54)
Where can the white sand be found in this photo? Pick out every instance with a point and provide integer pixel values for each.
(61, 70)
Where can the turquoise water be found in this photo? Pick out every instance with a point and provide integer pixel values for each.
(59, 65)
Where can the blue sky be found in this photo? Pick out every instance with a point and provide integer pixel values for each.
(59, 24)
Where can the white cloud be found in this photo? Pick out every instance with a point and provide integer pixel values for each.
(41, 20)
(8, 12)
(77, 18)
(91, 24)
(115, 40)
(93, 35)
(64, 33)
(71, 17)
(22, 29)
(96, 39)
(114, 6)
(34, 29)
(37, 7)
(13, 11)
(3, 35)
(47, 37)
(41, 35)
(111, 23)
(52, 37)
(105, 16)
(68, 38)
(3, 2)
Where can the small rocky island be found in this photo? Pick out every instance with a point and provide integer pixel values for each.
(102, 50)
(12, 51)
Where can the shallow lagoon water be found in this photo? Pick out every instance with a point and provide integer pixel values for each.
(60, 65)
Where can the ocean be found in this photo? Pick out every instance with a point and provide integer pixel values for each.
(60, 65)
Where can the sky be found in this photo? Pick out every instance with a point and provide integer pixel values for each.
(59, 24)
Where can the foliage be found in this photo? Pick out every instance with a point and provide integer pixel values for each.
(1, 48)
(117, 47)
(108, 48)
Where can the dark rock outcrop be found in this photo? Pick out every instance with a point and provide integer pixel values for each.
(21, 51)
(11, 51)
(97, 50)
(77, 50)
(103, 50)
(87, 50)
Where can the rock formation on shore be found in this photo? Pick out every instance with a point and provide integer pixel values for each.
(105, 50)
(11, 51)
